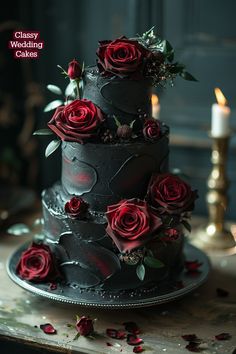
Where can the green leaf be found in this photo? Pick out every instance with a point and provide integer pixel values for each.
(153, 262)
(43, 132)
(38, 221)
(54, 89)
(63, 70)
(76, 337)
(52, 105)
(140, 271)
(18, 230)
(187, 76)
(71, 89)
(186, 224)
(132, 124)
(52, 146)
(118, 124)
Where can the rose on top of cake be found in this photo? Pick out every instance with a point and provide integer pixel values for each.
(80, 120)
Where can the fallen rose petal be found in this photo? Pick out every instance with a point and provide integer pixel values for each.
(193, 347)
(111, 332)
(120, 335)
(221, 292)
(132, 339)
(131, 327)
(52, 286)
(223, 336)
(190, 337)
(48, 328)
(114, 333)
(192, 266)
(109, 344)
(138, 349)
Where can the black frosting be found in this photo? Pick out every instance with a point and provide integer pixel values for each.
(104, 174)
(126, 99)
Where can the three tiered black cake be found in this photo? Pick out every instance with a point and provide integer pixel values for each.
(114, 222)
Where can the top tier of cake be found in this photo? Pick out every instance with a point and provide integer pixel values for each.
(127, 100)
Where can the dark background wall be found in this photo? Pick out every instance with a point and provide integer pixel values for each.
(203, 34)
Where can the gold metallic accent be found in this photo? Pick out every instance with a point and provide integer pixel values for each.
(215, 235)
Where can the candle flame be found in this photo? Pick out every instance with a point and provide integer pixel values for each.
(155, 99)
(220, 97)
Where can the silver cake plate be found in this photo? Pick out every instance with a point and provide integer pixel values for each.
(160, 293)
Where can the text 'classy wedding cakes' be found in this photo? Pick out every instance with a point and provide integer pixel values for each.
(114, 224)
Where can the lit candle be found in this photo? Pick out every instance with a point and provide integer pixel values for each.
(220, 113)
(155, 107)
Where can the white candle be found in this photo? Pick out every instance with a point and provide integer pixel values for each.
(220, 114)
(155, 107)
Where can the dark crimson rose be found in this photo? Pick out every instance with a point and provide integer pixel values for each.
(122, 57)
(84, 326)
(124, 131)
(77, 121)
(151, 129)
(171, 235)
(74, 70)
(76, 207)
(37, 264)
(131, 223)
(170, 194)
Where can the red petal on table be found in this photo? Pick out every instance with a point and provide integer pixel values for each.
(132, 339)
(114, 333)
(138, 349)
(109, 344)
(48, 328)
(52, 286)
(190, 337)
(223, 336)
(132, 327)
(192, 266)
(193, 347)
(222, 292)
(120, 335)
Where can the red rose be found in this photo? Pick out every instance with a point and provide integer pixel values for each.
(131, 223)
(151, 129)
(171, 235)
(171, 194)
(84, 326)
(121, 57)
(37, 264)
(77, 121)
(74, 70)
(76, 207)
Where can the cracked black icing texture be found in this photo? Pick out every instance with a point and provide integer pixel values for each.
(113, 172)
(127, 99)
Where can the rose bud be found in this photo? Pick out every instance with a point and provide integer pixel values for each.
(74, 70)
(84, 326)
(124, 131)
(151, 129)
(76, 207)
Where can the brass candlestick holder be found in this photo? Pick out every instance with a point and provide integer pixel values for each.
(215, 235)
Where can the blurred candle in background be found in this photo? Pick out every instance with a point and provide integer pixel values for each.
(220, 114)
(155, 106)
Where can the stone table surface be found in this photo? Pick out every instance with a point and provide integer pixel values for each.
(201, 312)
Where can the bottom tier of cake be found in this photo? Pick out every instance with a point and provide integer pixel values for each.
(88, 258)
